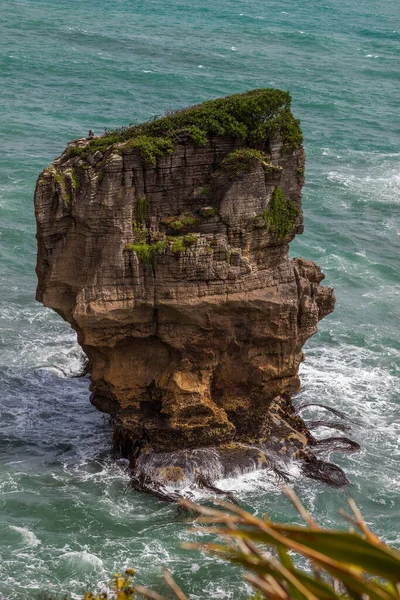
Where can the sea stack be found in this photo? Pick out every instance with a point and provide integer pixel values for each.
(165, 245)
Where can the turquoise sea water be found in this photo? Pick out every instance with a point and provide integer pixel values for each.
(67, 519)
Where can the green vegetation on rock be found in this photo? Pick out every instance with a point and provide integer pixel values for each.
(178, 224)
(60, 179)
(75, 181)
(151, 148)
(182, 243)
(252, 117)
(208, 211)
(281, 214)
(242, 160)
(206, 190)
(146, 253)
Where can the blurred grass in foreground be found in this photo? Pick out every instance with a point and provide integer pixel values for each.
(352, 564)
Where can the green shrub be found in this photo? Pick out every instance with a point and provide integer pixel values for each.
(160, 246)
(143, 250)
(281, 214)
(146, 253)
(182, 243)
(242, 160)
(151, 148)
(182, 223)
(177, 224)
(140, 231)
(178, 245)
(252, 117)
(197, 135)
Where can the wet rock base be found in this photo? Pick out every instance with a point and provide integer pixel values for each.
(291, 447)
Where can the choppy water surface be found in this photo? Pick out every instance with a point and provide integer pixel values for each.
(67, 519)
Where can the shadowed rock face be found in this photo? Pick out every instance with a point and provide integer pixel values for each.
(188, 307)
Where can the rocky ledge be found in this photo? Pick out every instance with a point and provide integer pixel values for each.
(166, 247)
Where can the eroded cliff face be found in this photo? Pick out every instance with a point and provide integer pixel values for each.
(182, 292)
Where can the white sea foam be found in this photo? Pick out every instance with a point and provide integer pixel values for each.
(348, 378)
(373, 176)
(80, 562)
(383, 185)
(28, 537)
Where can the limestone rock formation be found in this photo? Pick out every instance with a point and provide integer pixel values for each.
(166, 247)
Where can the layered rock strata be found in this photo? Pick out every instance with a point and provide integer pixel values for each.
(176, 277)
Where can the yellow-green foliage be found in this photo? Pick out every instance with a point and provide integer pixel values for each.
(253, 117)
(75, 181)
(151, 148)
(242, 160)
(146, 253)
(182, 243)
(60, 179)
(122, 588)
(140, 231)
(280, 214)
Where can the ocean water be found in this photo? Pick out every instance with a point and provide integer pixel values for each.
(67, 516)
